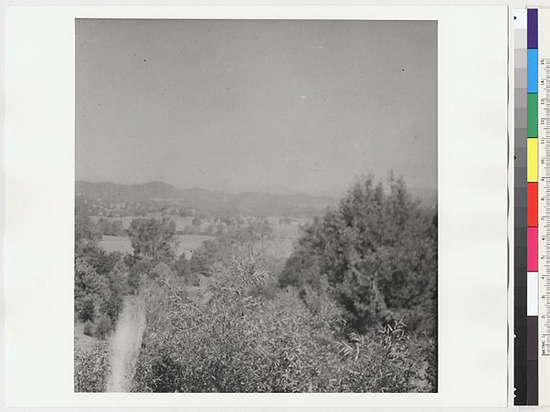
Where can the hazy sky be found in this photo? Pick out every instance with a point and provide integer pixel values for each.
(236, 105)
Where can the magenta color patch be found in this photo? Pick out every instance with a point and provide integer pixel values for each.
(532, 249)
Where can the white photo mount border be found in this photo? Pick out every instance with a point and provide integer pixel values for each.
(472, 176)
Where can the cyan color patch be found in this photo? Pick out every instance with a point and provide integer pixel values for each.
(532, 70)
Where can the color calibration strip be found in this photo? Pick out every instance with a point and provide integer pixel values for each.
(532, 207)
(520, 209)
(540, 290)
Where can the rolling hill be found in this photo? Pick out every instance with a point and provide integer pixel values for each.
(253, 203)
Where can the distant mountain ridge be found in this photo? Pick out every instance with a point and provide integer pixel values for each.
(202, 199)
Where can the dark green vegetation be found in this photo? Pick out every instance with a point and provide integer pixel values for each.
(352, 309)
(376, 255)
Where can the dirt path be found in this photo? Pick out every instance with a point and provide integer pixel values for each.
(126, 344)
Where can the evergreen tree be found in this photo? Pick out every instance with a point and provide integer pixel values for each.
(378, 252)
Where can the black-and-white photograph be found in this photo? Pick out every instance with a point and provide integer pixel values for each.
(256, 206)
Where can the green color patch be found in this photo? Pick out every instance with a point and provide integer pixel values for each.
(532, 115)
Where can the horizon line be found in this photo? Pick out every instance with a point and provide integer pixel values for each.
(284, 191)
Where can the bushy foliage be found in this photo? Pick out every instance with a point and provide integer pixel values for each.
(224, 337)
(354, 309)
(138, 268)
(153, 238)
(103, 327)
(182, 268)
(110, 227)
(386, 359)
(91, 368)
(95, 256)
(85, 229)
(117, 279)
(378, 254)
(215, 251)
(88, 328)
(91, 291)
(100, 284)
(101, 278)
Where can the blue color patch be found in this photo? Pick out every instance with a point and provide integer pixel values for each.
(532, 70)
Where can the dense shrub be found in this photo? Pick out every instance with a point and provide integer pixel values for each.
(88, 328)
(91, 291)
(225, 337)
(103, 327)
(378, 254)
(85, 229)
(183, 269)
(110, 227)
(91, 368)
(98, 294)
(153, 238)
(216, 251)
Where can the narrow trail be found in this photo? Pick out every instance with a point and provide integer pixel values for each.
(126, 344)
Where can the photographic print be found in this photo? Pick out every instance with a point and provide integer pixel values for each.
(256, 206)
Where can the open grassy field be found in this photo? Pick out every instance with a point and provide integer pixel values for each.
(116, 244)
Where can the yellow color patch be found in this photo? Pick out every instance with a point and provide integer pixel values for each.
(532, 160)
